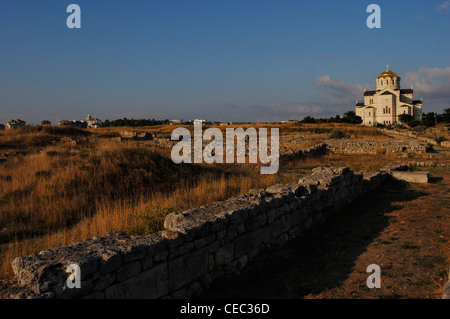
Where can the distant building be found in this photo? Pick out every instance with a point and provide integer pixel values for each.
(388, 102)
(175, 122)
(73, 123)
(288, 121)
(78, 124)
(199, 122)
(63, 123)
(15, 124)
(46, 123)
(2, 127)
(93, 122)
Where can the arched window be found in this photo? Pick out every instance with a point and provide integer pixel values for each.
(387, 82)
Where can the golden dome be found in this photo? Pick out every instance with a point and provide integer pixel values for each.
(388, 74)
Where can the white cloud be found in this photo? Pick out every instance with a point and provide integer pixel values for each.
(444, 6)
(339, 88)
(431, 83)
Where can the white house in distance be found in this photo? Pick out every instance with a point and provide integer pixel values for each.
(388, 102)
(93, 122)
(15, 124)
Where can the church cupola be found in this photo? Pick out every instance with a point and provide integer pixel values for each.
(388, 80)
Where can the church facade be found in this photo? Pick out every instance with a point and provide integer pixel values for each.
(388, 102)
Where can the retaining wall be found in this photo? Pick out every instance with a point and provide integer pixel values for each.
(197, 246)
(373, 146)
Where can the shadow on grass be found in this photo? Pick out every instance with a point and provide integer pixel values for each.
(434, 179)
(321, 259)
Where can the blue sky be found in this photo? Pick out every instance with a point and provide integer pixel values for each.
(231, 60)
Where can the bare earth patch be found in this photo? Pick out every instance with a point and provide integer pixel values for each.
(403, 228)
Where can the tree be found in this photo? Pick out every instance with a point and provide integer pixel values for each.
(350, 117)
(309, 119)
(405, 118)
(446, 115)
(429, 119)
(413, 123)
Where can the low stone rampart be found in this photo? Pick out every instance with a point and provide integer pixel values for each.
(197, 246)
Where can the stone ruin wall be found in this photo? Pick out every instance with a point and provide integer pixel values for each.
(197, 246)
(374, 146)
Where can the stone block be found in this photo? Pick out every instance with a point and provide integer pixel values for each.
(411, 177)
(105, 281)
(188, 268)
(150, 284)
(109, 261)
(128, 270)
(225, 254)
(247, 243)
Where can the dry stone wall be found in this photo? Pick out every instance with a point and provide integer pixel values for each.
(197, 246)
(374, 146)
(446, 292)
(317, 150)
(422, 139)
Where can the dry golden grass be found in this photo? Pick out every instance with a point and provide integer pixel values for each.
(31, 137)
(65, 194)
(356, 130)
(59, 193)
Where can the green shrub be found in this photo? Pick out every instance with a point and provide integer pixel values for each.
(338, 134)
(413, 123)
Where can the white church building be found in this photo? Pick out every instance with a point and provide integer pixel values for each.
(388, 102)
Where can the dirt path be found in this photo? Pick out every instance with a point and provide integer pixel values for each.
(402, 228)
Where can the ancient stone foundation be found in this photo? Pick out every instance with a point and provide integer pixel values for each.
(197, 246)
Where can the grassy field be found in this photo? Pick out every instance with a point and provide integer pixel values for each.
(61, 193)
